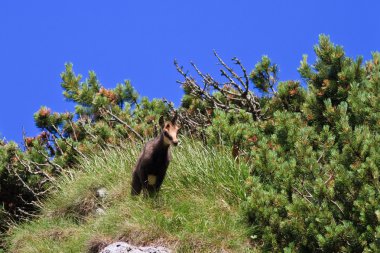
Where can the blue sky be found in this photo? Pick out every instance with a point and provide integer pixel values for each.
(138, 40)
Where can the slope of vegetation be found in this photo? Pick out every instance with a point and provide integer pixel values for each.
(198, 208)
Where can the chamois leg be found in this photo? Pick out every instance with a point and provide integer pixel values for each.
(136, 185)
(152, 191)
(159, 183)
(150, 186)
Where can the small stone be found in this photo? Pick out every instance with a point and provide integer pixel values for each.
(123, 247)
(100, 211)
(101, 193)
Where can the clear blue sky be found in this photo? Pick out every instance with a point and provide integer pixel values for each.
(138, 40)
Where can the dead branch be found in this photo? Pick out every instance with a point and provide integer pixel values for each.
(235, 92)
(191, 123)
(68, 143)
(27, 214)
(233, 73)
(74, 132)
(39, 171)
(56, 144)
(109, 112)
(83, 125)
(14, 172)
(335, 203)
(48, 160)
(304, 196)
(331, 177)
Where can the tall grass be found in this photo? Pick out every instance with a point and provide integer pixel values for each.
(197, 209)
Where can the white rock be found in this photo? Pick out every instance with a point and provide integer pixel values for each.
(101, 193)
(100, 211)
(123, 247)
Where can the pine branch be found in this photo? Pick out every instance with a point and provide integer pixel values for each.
(68, 143)
(109, 112)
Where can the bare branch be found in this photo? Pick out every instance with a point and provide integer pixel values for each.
(72, 126)
(68, 143)
(14, 172)
(47, 158)
(233, 73)
(302, 195)
(335, 203)
(235, 92)
(238, 62)
(197, 91)
(31, 171)
(27, 213)
(109, 112)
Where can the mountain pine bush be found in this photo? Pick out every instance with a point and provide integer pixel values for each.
(314, 183)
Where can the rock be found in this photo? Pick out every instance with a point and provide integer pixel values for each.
(100, 211)
(123, 247)
(101, 193)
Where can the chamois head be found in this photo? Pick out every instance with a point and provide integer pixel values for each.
(169, 130)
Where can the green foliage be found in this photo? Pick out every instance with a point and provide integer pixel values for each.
(315, 177)
(330, 78)
(308, 192)
(364, 97)
(264, 76)
(290, 96)
(229, 128)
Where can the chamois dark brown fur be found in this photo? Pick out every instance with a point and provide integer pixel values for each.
(153, 162)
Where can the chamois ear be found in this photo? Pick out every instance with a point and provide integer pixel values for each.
(174, 119)
(161, 121)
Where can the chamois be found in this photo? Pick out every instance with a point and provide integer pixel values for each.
(153, 162)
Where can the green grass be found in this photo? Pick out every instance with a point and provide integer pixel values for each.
(197, 209)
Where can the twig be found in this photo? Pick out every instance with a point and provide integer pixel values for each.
(27, 213)
(23, 182)
(335, 203)
(29, 169)
(197, 91)
(55, 165)
(233, 73)
(329, 179)
(56, 144)
(68, 143)
(236, 91)
(72, 126)
(303, 195)
(124, 123)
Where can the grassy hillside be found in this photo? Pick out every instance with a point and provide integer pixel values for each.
(197, 209)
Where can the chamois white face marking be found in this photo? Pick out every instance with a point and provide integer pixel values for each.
(152, 179)
(170, 130)
(170, 133)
